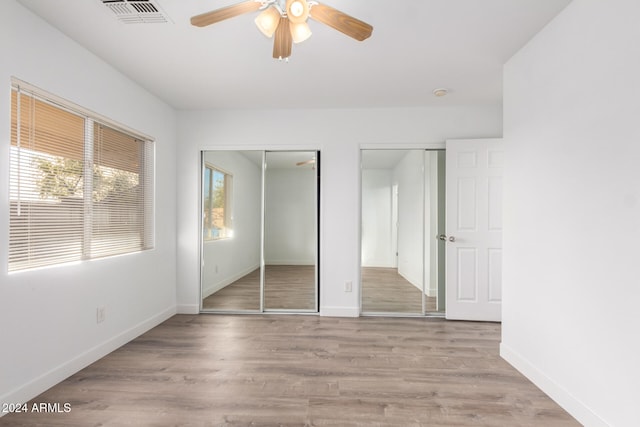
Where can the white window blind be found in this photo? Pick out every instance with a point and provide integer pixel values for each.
(79, 188)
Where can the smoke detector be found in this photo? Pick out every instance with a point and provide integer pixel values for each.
(440, 92)
(137, 11)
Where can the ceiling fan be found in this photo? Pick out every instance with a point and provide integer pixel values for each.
(287, 20)
(307, 162)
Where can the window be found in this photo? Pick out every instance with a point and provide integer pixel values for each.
(217, 204)
(80, 186)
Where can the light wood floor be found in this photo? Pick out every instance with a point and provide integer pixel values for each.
(386, 291)
(285, 370)
(292, 287)
(286, 287)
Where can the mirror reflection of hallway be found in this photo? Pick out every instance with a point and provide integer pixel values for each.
(402, 213)
(259, 231)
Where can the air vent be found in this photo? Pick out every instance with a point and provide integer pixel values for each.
(137, 11)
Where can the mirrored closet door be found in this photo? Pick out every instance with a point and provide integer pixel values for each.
(402, 216)
(231, 230)
(290, 231)
(259, 231)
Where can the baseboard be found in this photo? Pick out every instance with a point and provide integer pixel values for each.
(187, 309)
(56, 375)
(340, 311)
(269, 262)
(431, 293)
(378, 266)
(562, 397)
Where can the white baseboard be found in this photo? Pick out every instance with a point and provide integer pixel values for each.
(562, 397)
(379, 265)
(340, 311)
(187, 309)
(47, 380)
(268, 262)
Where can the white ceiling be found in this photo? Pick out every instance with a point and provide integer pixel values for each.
(279, 159)
(382, 159)
(416, 46)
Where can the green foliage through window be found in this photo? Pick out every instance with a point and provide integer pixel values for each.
(217, 217)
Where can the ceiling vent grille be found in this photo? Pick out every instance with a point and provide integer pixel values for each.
(136, 11)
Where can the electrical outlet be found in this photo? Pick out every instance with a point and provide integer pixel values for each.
(348, 286)
(101, 314)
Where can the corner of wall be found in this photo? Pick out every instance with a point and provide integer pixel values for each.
(187, 309)
(60, 373)
(560, 395)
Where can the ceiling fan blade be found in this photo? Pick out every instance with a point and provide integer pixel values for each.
(225, 13)
(282, 40)
(340, 21)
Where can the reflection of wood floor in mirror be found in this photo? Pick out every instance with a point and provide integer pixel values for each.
(287, 287)
(385, 291)
(243, 294)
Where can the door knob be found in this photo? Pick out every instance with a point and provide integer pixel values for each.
(442, 237)
(452, 239)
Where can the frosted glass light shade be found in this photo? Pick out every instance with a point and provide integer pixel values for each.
(300, 32)
(297, 11)
(268, 21)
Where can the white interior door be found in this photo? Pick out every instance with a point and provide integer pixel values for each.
(474, 170)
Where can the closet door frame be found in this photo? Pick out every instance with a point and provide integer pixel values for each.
(439, 146)
(318, 227)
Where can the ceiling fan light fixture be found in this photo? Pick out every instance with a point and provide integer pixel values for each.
(297, 11)
(300, 32)
(286, 21)
(267, 22)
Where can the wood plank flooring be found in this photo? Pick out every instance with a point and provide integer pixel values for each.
(285, 370)
(286, 287)
(243, 294)
(386, 291)
(292, 287)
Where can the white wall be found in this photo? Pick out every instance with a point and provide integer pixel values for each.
(409, 176)
(377, 222)
(432, 211)
(48, 316)
(290, 216)
(225, 261)
(572, 211)
(339, 134)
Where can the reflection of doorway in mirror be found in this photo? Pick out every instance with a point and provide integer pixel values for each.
(400, 210)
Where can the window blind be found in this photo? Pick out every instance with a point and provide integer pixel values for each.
(79, 188)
